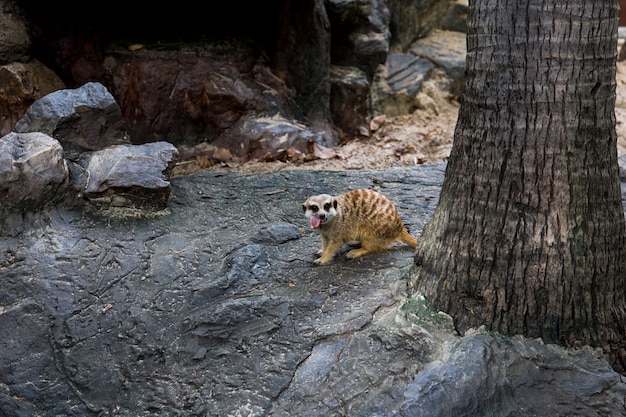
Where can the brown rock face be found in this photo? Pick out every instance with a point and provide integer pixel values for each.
(187, 96)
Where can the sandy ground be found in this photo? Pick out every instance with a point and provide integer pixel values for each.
(422, 137)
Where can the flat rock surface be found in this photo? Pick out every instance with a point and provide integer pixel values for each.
(213, 307)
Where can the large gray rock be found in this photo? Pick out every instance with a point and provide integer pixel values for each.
(32, 171)
(214, 308)
(82, 119)
(132, 176)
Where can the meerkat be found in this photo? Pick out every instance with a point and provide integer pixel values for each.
(362, 216)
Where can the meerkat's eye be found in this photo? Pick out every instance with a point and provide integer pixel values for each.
(327, 206)
(314, 208)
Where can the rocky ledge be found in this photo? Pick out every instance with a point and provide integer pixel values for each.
(213, 307)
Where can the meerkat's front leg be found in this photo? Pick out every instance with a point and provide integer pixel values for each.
(324, 244)
(329, 253)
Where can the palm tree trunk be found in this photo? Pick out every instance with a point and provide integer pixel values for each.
(529, 234)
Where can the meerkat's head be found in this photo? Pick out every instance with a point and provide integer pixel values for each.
(320, 209)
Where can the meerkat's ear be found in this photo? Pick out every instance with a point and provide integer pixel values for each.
(335, 204)
(304, 207)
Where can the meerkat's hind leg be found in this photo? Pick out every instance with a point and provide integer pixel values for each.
(367, 247)
(356, 253)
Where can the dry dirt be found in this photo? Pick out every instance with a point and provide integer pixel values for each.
(424, 136)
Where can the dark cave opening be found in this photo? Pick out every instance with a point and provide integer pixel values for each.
(68, 31)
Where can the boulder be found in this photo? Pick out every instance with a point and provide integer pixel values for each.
(20, 85)
(82, 119)
(32, 171)
(440, 57)
(128, 176)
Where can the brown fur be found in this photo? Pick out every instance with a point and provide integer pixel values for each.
(362, 216)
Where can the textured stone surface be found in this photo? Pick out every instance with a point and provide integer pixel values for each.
(268, 139)
(213, 307)
(186, 77)
(486, 374)
(191, 95)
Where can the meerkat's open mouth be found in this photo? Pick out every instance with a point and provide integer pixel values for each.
(316, 221)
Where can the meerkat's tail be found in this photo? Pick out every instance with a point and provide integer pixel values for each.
(407, 238)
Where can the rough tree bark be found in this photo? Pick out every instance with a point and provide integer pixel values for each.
(529, 233)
